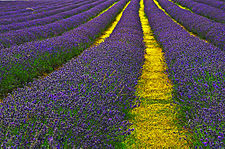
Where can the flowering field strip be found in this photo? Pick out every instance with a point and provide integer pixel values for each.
(7, 6)
(33, 16)
(212, 31)
(84, 104)
(191, 33)
(56, 28)
(35, 7)
(210, 12)
(181, 6)
(153, 120)
(20, 64)
(7, 10)
(109, 30)
(34, 10)
(197, 71)
(214, 3)
(78, 8)
(103, 35)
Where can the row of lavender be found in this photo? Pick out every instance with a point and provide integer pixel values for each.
(21, 7)
(42, 18)
(207, 29)
(84, 104)
(197, 70)
(214, 3)
(32, 16)
(83, 14)
(35, 10)
(20, 64)
(210, 12)
(15, 5)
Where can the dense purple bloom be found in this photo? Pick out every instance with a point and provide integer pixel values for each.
(52, 15)
(81, 104)
(12, 7)
(212, 31)
(34, 33)
(39, 9)
(204, 10)
(214, 3)
(32, 58)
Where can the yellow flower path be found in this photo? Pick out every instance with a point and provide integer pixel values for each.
(181, 6)
(109, 30)
(154, 120)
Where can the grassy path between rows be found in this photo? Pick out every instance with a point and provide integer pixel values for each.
(155, 120)
(110, 29)
(181, 6)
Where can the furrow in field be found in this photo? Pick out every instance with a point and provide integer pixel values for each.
(110, 29)
(181, 6)
(153, 121)
(191, 33)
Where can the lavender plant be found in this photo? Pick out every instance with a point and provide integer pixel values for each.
(13, 7)
(197, 71)
(45, 19)
(20, 64)
(56, 28)
(210, 12)
(210, 30)
(32, 16)
(215, 3)
(43, 9)
(84, 104)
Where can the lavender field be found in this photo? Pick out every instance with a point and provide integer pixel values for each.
(108, 74)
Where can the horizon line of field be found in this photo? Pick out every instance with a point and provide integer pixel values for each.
(49, 17)
(23, 8)
(54, 29)
(33, 7)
